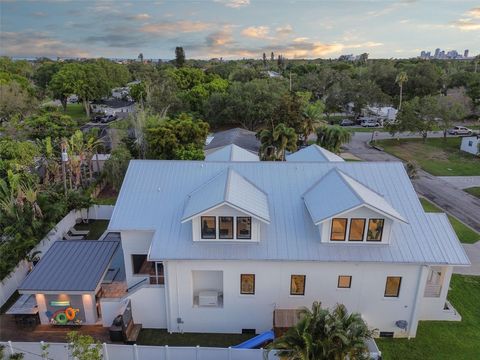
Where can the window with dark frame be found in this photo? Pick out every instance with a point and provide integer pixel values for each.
(375, 229)
(392, 286)
(225, 227)
(244, 227)
(247, 284)
(344, 282)
(357, 229)
(140, 265)
(209, 227)
(339, 229)
(297, 284)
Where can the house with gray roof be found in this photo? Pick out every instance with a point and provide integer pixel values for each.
(224, 245)
(243, 138)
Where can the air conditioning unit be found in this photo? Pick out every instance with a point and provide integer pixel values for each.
(208, 298)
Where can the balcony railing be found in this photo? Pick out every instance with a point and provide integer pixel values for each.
(433, 290)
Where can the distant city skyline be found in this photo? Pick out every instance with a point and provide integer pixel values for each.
(236, 28)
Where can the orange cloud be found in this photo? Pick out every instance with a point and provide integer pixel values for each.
(184, 26)
(256, 32)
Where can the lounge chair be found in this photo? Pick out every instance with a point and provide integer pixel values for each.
(76, 232)
(73, 237)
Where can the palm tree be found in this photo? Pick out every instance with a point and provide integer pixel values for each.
(401, 78)
(284, 139)
(332, 137)
(321, 334)
(313, 114)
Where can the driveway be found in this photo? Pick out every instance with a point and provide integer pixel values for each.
(473, 252)
(458, 203)
(462, 182)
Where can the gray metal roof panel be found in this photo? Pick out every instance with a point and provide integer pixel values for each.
(71, 265)
(313, 153)
(231, 152)
(154, 192)
(246, 139)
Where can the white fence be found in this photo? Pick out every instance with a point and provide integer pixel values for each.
(60, 351)
(9, 284)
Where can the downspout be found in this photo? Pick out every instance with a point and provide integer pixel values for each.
(167, 294)
(412, 328)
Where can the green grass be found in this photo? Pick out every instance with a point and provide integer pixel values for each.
(444, 339)
(162, 337)
(106, 201)
(77, 112)
(96, 227)
(475, 191)
(464, 233)
(437, 156)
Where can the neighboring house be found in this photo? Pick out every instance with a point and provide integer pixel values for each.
(245, 139)
(231, 153)
(113, 106)
(383, 113)
(120, 93)
(471, 144)
(313, 153)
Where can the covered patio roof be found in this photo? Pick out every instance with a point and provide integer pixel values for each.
(70, 266)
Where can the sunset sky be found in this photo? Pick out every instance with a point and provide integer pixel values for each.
(236, 28)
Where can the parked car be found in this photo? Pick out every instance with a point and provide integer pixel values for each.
(108, 118)
(370, 123)
(97, 118)
(347, 122)
(460, 130)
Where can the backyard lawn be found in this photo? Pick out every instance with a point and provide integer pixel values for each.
(96, 228)
(475, 191)
(162, 337)
(77, 112)
(444, 339)
(464, 233)
(436, 156)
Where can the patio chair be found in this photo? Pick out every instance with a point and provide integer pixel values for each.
(73, 237)
(76, 232)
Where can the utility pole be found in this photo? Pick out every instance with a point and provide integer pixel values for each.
(64, 161)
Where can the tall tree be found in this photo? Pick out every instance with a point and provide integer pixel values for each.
(274, 143)
(401, 78)
(272, 57)
(179, 57)
(140, 57)
(264, 59)
(449, 111)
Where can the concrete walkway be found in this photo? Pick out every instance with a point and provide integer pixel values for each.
(473, 253)
(462, 182)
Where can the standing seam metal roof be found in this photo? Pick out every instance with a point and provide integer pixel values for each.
(154, 192)
(71, 265)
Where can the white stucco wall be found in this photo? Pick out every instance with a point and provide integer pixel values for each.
(134, 242)
(272, 290)
(148, 307)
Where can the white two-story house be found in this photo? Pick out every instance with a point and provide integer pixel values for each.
(219, 246)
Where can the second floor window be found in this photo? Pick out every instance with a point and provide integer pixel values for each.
(244, 227)
(375, 230)
(357, 228)
(225, 227)
(339, 230)
(209, 227)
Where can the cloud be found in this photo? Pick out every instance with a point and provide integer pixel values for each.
(256, 32)
(234, 3)
(39, 14)
(475, 13)
(183, 26)
(466, 24)
(368, 44)
(37, 44)
(220, 38)
(285, 30)
(139, 17)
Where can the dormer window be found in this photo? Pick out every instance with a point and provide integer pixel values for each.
(375, 229)
(209, 227)
(244, 227)
(225, 227)
(339, 229)
(357, 229)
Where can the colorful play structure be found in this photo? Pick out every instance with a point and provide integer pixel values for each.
(256, 341)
